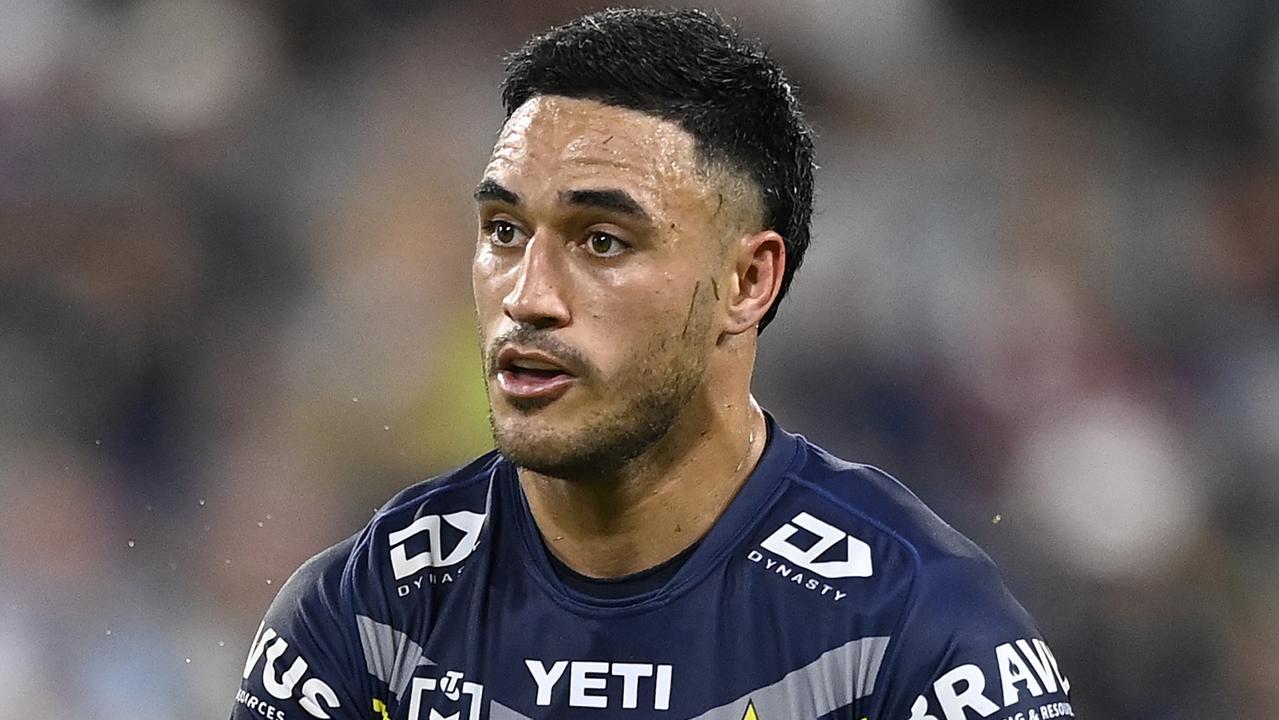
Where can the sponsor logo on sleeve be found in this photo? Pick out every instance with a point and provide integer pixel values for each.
(1027, 671)
(292, 682)
(852, 559)
(433, 547)
(808, 552)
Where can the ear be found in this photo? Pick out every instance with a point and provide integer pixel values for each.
(756, 264)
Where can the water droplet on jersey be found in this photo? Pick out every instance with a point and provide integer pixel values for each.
(201, 502)
(108, 631)
(132, 543)
(268, 516)
(221, 643)
(386, 427)
(355, 399)
(268, 581)
(188, 661)
(97, 442)
(260, 524)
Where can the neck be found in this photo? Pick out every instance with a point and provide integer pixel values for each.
(659, 503)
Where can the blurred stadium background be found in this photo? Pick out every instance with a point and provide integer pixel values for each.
(235, 313)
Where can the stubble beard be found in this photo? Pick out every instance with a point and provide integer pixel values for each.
(602, 443)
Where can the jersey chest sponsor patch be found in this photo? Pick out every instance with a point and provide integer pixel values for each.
(531, 688)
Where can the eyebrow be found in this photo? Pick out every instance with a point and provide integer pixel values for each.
(618, 201)
(611, 199)
(491, 190)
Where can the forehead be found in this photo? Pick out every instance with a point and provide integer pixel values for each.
(566, 140)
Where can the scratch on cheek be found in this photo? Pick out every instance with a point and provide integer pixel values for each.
(715, 287)
(691, 303)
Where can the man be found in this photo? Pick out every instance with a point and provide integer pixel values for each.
(646, 541)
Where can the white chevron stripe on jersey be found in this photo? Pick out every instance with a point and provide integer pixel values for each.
(832, 681)
(389, 654)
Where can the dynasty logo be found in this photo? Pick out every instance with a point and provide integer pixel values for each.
(808, 552)
(855, 560)
(434, 542)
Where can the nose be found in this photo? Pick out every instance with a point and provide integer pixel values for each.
(538, 297)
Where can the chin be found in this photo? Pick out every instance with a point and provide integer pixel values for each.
(536, 442)
(545, 453)
(591, 436)
(528, 439)
(590, 450)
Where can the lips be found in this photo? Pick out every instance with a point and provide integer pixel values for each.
(532, 374)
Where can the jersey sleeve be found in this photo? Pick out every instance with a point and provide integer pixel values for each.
(305, 661)
(966, 649)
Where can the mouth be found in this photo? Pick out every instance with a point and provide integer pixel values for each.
(532, 375)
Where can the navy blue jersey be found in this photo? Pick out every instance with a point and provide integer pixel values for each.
(825, 590)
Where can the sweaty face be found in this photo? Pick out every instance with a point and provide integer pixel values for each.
(593, 283)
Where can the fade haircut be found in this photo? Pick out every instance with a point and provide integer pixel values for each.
(695, 70)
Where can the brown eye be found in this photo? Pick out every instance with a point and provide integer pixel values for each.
(604, 245)
(502, 233)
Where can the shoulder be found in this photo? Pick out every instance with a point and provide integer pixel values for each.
(939, 566)
(333, 575)
(335, 612)
(431, 524)
(857, 525)
(959, 640)
(878, 509)
(319, 578)
(460, 484)
(358, 575)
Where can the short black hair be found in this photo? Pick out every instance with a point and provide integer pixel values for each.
(695, 70)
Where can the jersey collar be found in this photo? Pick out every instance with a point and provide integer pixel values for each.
(781, 454)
